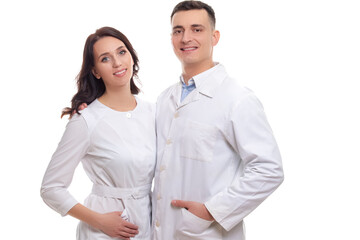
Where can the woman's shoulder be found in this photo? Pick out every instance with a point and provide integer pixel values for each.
(145, 104)
(92, 113)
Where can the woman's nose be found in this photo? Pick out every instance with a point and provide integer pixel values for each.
(116, 62)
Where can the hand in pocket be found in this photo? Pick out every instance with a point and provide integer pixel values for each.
(196, 208)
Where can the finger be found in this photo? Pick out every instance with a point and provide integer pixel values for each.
(180, 203)
(126, 235)
(131, 231)
(130, 225)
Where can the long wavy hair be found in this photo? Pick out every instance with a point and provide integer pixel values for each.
(89, 87)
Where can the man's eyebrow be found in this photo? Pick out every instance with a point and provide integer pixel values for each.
(106, 53)
(178, 26)
(197, 25)
(192, 25)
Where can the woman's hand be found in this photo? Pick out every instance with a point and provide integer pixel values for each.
(114, 225)
(110, 223)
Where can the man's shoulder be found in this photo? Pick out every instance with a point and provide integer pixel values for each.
(234, 89)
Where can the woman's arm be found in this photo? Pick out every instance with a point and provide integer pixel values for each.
(60, 171)
(58, 176)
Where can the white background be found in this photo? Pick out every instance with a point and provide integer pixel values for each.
(301, 58)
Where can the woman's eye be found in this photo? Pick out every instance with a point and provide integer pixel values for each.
(105, 59)
(122, 52)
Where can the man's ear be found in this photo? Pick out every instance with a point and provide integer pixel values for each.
(95, 73)
(216, 37)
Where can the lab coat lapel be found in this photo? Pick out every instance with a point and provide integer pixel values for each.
(206, 85)
(192, 97)
(175, 96)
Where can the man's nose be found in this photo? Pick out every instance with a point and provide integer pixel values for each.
(187, 36)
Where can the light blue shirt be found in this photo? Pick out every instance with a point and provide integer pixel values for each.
(186, 89)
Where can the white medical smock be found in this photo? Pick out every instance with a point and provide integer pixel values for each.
(214, 147)
(118, 153)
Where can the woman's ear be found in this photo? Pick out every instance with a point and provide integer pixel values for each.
(95, 73)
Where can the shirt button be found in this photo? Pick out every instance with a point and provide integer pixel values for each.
(128, 115)
(162, 168)
(176, 115)
(157, 224)
(168, 141)
(158, 197)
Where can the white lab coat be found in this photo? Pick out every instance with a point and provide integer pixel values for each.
(215, 147)
(117, 151)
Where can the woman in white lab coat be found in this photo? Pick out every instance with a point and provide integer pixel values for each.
(114, 139)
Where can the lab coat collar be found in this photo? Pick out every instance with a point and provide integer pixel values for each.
(208, 82)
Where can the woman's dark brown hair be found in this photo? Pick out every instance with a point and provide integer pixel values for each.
(89, 87)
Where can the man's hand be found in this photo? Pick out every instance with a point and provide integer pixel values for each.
(196, 208)
(81, 107)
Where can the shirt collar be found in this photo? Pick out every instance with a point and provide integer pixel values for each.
(190, 82)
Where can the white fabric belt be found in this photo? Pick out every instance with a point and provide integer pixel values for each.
(122, 193)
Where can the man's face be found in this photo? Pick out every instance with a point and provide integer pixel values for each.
(193, 38)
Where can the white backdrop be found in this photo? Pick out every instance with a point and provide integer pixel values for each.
(301, 58)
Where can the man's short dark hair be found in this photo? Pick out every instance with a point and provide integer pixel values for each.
(191, 5)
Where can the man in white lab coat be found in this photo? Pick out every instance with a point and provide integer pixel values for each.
(217, 157)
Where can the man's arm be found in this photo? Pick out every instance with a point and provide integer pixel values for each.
(251, 136)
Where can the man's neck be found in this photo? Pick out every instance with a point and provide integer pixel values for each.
(191, 70)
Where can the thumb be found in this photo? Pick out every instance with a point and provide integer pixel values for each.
(179, 203)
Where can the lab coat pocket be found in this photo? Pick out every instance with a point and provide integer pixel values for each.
(192, 227)
(198, 141)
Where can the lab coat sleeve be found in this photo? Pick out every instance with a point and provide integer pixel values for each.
(60, 171)
(249, 133)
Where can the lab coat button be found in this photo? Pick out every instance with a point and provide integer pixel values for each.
(162, 168)
(158, 197)
(128, 115)
(168, 141)
(157, 224)
(176, 115)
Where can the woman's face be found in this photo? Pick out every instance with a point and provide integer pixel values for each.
(113, 63)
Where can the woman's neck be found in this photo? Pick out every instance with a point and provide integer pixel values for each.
(122, 101)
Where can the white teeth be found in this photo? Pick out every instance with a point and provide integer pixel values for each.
(187, 49)
(118, 73)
